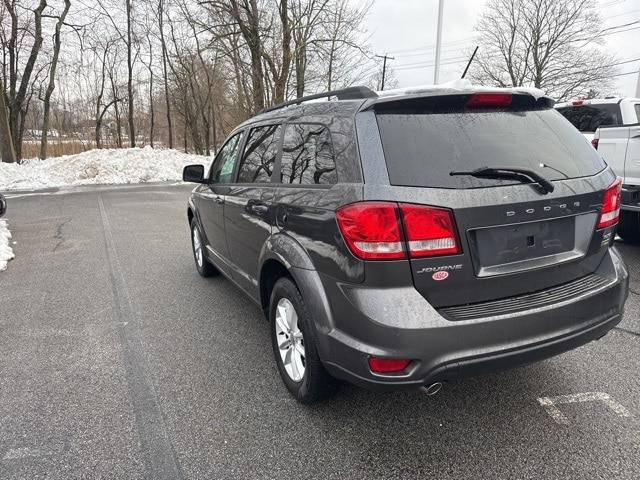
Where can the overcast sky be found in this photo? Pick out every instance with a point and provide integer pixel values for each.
(406, 30)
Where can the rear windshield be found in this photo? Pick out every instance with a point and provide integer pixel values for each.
(421, 149)
(587, 118)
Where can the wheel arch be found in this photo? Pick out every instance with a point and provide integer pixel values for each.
(283, 256)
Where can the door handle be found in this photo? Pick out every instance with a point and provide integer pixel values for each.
(260, 208)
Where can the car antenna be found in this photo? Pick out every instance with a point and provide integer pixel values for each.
(469, 63)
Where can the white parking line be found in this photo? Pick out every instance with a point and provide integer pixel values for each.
(550, 404)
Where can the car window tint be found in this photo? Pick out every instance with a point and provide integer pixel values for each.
(307, 155)
(222, 166)
(422, 149)
(260, 155)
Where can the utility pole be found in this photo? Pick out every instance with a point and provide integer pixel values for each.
(438, 43)
(384, 67)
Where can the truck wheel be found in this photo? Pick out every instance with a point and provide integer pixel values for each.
(629, 226)
(294, 345)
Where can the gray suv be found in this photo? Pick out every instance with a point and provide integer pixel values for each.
(400, 242)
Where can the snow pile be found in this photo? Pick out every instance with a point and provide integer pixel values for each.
(6, 253)
(113, 166)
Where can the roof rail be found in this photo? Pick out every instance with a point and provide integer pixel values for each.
(351, 93)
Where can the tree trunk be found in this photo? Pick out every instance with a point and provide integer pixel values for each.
(132, 128)
(6, 144)
(52, 77)
(165, 71)
(16, 106)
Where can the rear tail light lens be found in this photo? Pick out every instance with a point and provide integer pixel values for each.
(611, 205)
(387, 365)
(594, 142)
(430, 231)
(387, 230)
(371, 230)
(489, 100)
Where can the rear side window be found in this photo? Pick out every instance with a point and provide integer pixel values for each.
(307, 155)
(636, 107)
(421, 149)
(587, 118)
(259, 154)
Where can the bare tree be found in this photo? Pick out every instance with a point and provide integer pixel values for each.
(342, 50)
(52, 79)
(165, 70)
(6, 143)
(554, 45)
(18, 92)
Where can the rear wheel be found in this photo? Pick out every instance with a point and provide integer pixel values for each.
(294, 345)
(202, 264)
(629, 226)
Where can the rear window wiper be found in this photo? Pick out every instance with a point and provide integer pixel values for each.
(509, 173)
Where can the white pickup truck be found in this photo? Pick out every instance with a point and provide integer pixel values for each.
(620, 147)
(588, 115)
(613, 127)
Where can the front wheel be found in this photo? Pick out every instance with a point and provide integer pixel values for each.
(203, 266)
(294, 345)
(629, 226)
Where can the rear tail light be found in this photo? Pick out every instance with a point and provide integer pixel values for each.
(611, 205)
(390, 231)
(387, 365)
(371, 230)
(489, 100)
(430, 231)
(594, 142)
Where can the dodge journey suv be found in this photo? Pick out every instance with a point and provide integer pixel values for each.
(403, 241)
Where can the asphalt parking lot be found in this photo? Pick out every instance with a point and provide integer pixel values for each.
(118, 361)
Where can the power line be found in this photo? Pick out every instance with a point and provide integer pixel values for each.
(614, 2)
(621, 31)
(428, 47)
(626, 61)
(621, 26)
(623, 74)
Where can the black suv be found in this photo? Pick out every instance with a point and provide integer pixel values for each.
(402, 241)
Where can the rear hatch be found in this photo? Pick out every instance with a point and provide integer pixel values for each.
(530, 221)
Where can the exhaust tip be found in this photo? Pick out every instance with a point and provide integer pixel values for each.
(432, 389)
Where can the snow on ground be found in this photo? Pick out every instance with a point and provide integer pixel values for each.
(104, 167)
(6, 253)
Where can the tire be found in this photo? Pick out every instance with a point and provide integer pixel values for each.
(629, 226)
(294, 345)
(203, 266)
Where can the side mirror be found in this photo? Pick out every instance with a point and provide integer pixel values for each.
(193, 173)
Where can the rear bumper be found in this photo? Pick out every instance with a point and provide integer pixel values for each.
(399, 323)
(630, 198)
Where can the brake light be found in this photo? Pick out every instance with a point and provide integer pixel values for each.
(430, 231)
(577, 102)
(371, 230)
(611, 205)
(387, 365)
(374, 230)
(489, 100)
(594, 142)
